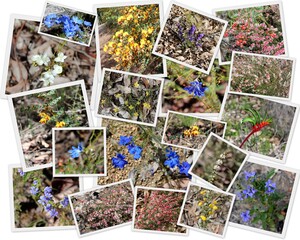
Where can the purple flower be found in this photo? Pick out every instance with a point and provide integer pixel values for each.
(196, 88)
(48, 207)
(77, 20)
(270, 186)
(172, 158)
(47, 192)
(21, 173)
(50, 19)
(124, 140)
(249, 192)
(239, 196)
(43, 200)
(34, 190)
(246, 216)
(184, 168)
(192, 33)
(249, 175)
(53, 213)
(135, 150)
(35, 182)
(119, 161)
(180, 32)
(65, 202)
(198, 39)
(75, 152)
(87, 24)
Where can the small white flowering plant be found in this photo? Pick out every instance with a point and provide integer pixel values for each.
(51, 66)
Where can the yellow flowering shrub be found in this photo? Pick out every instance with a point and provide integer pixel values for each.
(132, 43)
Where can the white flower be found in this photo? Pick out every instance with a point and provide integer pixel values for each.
(57, 70)
(41, 60)
(47, 78)
(60, 57)
(219, 162)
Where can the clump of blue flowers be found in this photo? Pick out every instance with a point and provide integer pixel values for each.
(190, 37)
(44, 197)
(260, 194)
(76, 151)
(74, 27)
(196, 88)
(173, 162)
(136, 151)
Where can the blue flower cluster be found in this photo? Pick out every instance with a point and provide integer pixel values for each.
(72, 26)
(270, 187)
(173, 161)
(119, 160)
(190, 36)
(196, 88)
(21, 173)
(75, 152)
(246, 216)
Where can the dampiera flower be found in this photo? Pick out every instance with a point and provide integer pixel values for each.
(34, 190)
(65, 202)
(77, 20)
(119, 161)
(43, 200)
(21, 173)
(249, 175)
(35, 182)
(60, 57)
(136, 151)
(48, 207)
(87, 23)
(192, 32)
(124, 140)
(172, 158)
(47, 192)
(270, 186)
(246, 216)
(53, 213)
(184, 168)
(50, 19)
(249, 192)
(75, 152)
(196, 88)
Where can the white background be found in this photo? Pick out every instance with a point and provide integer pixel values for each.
(9, 154)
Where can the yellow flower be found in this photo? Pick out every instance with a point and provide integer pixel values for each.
(195, 128)
(200, 203)
(210, 213)
(44, 117)
(150, 30)
(105, 48)
(125, 34)
(118, 95)
(203, 218)
(130, 39)
(131, 107)
(120, 19)
(147, 105)
(203, 192)
(136, 114)
(110, 44)
(147, 93)
(126, 103)
(116, 110)
(136, 84)
(129, 17)
(60, 124)
(187, 133)
(144, 32)
(215, 208)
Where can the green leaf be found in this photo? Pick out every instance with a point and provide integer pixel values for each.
(248, 119)
(280, 217)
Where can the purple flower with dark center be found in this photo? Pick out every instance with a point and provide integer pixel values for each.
(48, 207)
(192, 33)
(249, 192)
(34, 190)
(246, 216)
(47, 192)
(184, 168)
(196, 88)
(119, 161)
(135, 150)
(249, 175)
(65, 202)
(270, 186)
(53, 213)
(43, 200)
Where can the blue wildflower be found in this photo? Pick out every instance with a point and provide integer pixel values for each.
(53, 213)
(246, 216)
(239, 196)
(35, 182)
(65, 202)
(270, 186)
(135, 150)
(50, 19)
(249, 175)
(77, 20)
(124, 140)
(48, 207)
(192, 33)
(172, 158)
(196, 88)
(75, 152)
(249, 192)
(180, 32)
(198, 39)
(21, 173)
(119, 161)
(184, 168)
(43, 200)
(87, 23)
(34, 190)
(47, 192)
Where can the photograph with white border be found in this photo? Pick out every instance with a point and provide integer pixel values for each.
(39, 201)
(156, 210)
(258, 125)
(190, 37)
(256, 28)
(35, 114)
(123, 28)
(206, 210)
(102, 208)
(189, 91)
(190, 131)
(79, 151)
(129, 97)
(259, 75)
(135, 151)
(265, 195)
(48, 61)
(218, 163)
(67, 23)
